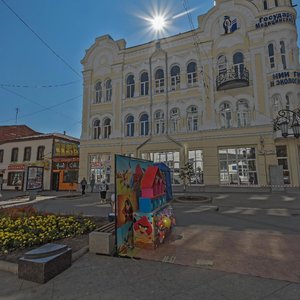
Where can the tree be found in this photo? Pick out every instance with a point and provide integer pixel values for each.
(186, 174)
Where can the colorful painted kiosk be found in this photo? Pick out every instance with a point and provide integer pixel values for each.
(144, 216)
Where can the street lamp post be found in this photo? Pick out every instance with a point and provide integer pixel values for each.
(288, 119)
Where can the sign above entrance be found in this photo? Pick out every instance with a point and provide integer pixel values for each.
(276, 18)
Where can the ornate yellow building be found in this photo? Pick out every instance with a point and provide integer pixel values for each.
(208, 96)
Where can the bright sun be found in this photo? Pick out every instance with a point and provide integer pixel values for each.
(158, 23)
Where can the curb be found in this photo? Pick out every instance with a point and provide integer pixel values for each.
(10, 267)
(208, 200)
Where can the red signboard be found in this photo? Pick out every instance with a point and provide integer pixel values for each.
(16, 167)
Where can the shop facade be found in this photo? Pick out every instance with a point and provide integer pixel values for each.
(27, 163)
(213, 105)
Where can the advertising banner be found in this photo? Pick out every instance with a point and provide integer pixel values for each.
(128, 175)
(35, 178)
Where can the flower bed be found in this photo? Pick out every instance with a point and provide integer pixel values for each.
(24, 227)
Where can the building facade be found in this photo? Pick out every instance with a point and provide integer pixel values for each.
(42, 161)
(208, 96)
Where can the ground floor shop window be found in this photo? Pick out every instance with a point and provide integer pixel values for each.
(196, 158)
(70, 177)
(282, 159)
(100, 167)
(171, 159)
(238, 166)
(15, 179)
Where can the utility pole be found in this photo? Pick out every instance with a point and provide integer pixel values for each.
(17, 112)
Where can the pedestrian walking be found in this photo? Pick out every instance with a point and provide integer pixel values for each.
(103, 190)
(92, 183)
(83, 185)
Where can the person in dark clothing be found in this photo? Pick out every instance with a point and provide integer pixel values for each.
(83, 185)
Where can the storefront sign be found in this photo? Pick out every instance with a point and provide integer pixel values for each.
(65, 149)
(73, 165)
(283, 78)
(59, 165)
(16, 167)
(273, 19)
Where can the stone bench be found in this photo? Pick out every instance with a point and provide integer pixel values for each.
(42, 264)
(102, 240)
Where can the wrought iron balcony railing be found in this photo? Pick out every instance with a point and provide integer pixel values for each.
(233, 78)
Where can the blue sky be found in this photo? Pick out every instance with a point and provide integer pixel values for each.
(68, 27)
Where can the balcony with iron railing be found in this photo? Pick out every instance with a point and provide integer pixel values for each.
(232, 78)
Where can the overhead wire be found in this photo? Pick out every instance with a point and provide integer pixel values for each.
(45, 108)
(37, 86)
(42, 40)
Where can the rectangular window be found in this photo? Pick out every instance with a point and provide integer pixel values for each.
(175, 82)
(171, 159)
(196, 158)
(282, 159)
(40, 153)
(1, 155)
(159, 85)
(100, 167)
(14, 154)
(192, 79)
(238, 166)
(144, 88)
(15, 179)
(27, 154)
(70, 177)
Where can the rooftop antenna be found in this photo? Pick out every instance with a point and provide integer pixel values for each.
(17, 112)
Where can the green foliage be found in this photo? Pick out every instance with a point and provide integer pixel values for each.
(187, 173)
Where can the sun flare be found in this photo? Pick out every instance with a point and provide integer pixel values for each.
(158, 23)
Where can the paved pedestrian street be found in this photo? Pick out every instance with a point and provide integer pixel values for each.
(251, 252)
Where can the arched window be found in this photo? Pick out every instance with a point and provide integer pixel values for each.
(276, 3)
(282, 52)
(222, 64)
(238, 64)
(108, 90)
(192, 73)
(159, 122)
(265, 4)
(159, 81)
(129, 126)
(96, 130)
(40, 153)
(144, 84)
(98, 92)
(242, 113)
(225, 115)
(271, 55)
(130, 86)
(144, 125)
(192, 118)
(175, 78)
(174, 118)
(107, 128)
